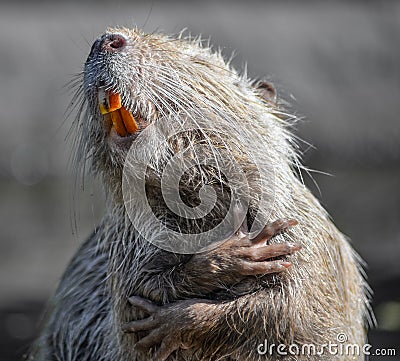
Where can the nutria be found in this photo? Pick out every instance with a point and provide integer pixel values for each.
(279, 273)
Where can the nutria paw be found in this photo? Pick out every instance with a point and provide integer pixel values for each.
(169, 327)
(243, 256)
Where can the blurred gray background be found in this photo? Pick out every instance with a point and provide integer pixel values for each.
(336, 63)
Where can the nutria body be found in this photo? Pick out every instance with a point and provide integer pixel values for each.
(125, 294)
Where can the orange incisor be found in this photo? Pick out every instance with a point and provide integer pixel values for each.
(122, 119)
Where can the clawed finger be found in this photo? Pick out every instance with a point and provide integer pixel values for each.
(152, 339)
(274, 229)
(143, 304)
(262, 253)
(140, 325)
(262, 268)
(168, 345)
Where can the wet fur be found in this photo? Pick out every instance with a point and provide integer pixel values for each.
(181, 80)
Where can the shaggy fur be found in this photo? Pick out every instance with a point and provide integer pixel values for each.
(173, 82)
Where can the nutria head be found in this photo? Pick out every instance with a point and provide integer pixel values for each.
(149, 99)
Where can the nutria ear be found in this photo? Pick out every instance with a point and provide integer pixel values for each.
(266, 90)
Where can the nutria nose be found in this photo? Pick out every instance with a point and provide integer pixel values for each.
(113, 42)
